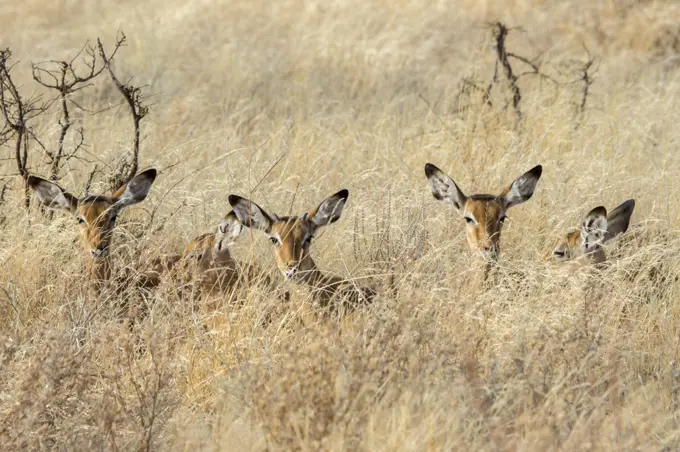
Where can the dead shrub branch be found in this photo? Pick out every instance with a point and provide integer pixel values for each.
(138, 110)
(65, 78)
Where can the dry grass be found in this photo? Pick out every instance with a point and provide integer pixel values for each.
(292, 101)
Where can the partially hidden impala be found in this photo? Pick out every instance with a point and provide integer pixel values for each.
(96, 215)
(596, 229)
(484, 214)
(292, 237)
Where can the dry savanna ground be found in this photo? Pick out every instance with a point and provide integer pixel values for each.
(288, 102)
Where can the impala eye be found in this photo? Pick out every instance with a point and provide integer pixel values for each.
(469, 220)
(81, 221)
(501, 220)
(559, 254)
(274, 240)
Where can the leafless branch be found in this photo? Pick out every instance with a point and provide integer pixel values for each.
(503, 62)
(17, 113)
(66, 78)
(587, 78)
(135, 100)
(500, 34)
(3, 192)
(90, 178)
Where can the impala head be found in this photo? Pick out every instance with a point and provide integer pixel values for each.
(596, 229)
(291, 236)
(96, 214)
(215, 244)
(484, 214)
(227, 232)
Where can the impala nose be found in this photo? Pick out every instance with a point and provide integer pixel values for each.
(288, 274)
(490, 252)
(98, 253)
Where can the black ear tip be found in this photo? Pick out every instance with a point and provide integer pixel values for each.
(151, 172)
(33, 181)
(233, 199)
(344, 193)
(599, 211)
(537, 170)
(231, 216)
(430, 169)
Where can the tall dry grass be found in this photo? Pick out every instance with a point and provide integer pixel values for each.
(286, 103)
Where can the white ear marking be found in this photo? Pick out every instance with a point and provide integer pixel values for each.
(522, 189)
(51, 195)
(443, 188)
(329, 211)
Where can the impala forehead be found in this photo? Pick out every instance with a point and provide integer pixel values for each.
(484, 208)
(93, 211)
(200, 242)
(573, 239)
(294, 229)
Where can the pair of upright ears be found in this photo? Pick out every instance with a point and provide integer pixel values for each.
(53, 196)
(598, 227)
(445, 189)
(250, 214)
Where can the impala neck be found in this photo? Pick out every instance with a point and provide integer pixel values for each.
(597, 257)
(323, 286)
(99, 271)
(220, 257)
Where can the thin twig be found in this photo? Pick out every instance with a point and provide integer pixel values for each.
(133, 96)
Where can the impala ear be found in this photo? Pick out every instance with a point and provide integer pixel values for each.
(250, 214)
(329, 210)
(593, 229)
(522, 188)
(443, 187)
(230, 227)
(52, 195)
(619, 219)
(136, 190)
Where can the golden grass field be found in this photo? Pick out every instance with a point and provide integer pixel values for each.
(288, 102)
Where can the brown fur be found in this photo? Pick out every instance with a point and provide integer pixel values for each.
(97, 217)
(596, 229)
(485, 235)
(293, 236)
(211, 270)
(214, 271)
(484, 214)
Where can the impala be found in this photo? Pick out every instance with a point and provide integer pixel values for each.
(484, 214)
(292, 238)
(596, 229)
(96, 215)
(212, 266)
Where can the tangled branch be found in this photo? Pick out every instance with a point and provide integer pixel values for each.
(64, 77)
(17, 113)
(135, 100)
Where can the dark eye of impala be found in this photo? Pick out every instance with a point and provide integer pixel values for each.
(469, 220)
(274, 240)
